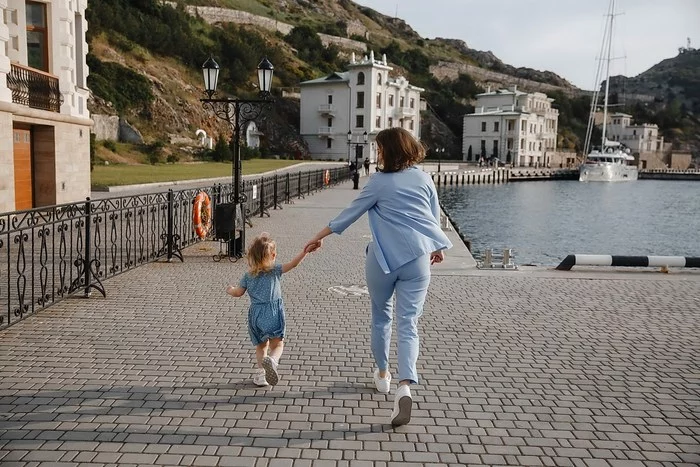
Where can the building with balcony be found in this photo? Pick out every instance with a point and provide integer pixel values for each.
(640, 138)
(365, 98)
(44, 120)
(511, 126)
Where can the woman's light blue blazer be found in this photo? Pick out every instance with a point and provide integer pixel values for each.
(404, 217)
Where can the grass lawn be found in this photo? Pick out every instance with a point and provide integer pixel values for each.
(112, 175)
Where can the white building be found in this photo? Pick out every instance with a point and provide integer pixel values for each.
(642, 138)
(362, 99)
(44, 121)
(513, 126)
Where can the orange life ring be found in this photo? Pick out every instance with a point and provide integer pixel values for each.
(201, 214)
(327, 178)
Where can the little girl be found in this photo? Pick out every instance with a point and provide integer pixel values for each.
(266, 322)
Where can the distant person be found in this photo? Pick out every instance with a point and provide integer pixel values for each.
(366, 165)
(404, 218)
(266, 319)
(353, 166)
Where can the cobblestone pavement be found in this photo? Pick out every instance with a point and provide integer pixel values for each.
(517, 367)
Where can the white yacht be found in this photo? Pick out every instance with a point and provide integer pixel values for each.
(611, 163)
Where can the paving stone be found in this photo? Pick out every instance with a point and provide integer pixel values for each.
(585, 368)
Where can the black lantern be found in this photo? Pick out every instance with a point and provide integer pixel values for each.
(265, 71)
(210, 70)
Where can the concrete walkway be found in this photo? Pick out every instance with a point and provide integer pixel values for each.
(529, 367)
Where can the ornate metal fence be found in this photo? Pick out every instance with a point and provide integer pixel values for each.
(50, 253)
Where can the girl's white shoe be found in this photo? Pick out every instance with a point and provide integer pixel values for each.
(270, 366)
(259, 378)
(383, 385)
(403, 403)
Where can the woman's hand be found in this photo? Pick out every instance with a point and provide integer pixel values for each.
(313, 245)
(437, 257)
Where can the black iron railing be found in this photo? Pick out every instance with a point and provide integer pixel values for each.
(47, 254)
(34, 88)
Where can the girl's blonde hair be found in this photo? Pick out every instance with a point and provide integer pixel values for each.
(261, 254)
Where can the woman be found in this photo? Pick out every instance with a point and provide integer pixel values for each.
(404, 218)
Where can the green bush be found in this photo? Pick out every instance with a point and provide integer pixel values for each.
(154, 151)
(93, 150)
(109, 144)
(221, 152)
(123, 87)
(172, 158)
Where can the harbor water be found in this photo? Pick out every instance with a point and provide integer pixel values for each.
(544, 221)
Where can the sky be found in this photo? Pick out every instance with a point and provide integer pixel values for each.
(562, 36)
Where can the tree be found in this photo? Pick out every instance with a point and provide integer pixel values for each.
(222, 151)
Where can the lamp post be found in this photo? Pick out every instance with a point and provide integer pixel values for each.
(359, 149)
(440, 152)
(238, 113)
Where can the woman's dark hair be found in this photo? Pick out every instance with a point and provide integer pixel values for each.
(400, 150)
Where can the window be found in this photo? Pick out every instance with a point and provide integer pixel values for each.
(391, 100)
(79, 37)
(483, 147)
(330, 121)
(412, 103)
(329, 143)
(511, 125)
(522, 144)
(509, 144)
(379, 100)
(330, 98)
(359, 121)
(483, 126)
(390, 123)
(495, 126)
(360, 100)
(360, 78)
(522, 126)
(410, 125)
(37, 47)
(495, 147)
(401, 101)
(378, 122)
(379, 78)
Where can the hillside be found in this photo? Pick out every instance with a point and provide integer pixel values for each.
(145, 59)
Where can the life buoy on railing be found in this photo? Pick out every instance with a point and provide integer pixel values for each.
(327, 178)
(201, 214)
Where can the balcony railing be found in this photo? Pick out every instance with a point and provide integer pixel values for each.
(34, 88)
(326, 108)
(325, 131)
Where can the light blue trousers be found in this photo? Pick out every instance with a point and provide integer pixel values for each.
(410, 282)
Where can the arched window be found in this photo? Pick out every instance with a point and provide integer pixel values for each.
(379, 78)
(360, 78)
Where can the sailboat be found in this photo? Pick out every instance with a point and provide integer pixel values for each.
(611, 163)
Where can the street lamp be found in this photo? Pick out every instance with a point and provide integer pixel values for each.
(238, 113)
(359, 148)
(440, 152)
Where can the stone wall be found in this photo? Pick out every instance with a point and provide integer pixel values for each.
(342, 42)
(116, 129)
(451, 71)
(213, 15)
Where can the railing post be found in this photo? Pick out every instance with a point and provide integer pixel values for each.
(275, 194)
(299, 192)
(87, 256)
(286, 189)
(262, 196)
(169, 233)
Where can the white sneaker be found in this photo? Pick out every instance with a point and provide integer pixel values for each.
(383, 385)
(402, 406)
(259, 378)
(270, 366)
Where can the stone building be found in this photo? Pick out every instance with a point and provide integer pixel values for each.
(44, 120)
(511, 126)
(365, 98)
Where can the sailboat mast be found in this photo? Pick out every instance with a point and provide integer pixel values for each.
(607, 72)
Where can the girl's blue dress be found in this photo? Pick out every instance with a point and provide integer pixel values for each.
(266, 313)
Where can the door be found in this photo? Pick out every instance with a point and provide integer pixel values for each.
(23, 169)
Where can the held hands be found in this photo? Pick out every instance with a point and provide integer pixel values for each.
(313, 245)
(437, 257)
